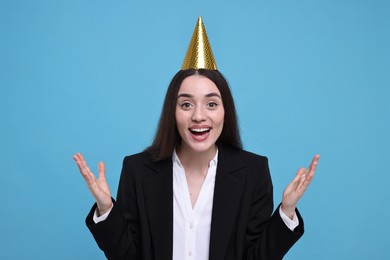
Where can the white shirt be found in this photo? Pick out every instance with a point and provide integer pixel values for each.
(191, 228)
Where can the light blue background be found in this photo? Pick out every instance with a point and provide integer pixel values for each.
(307, 76)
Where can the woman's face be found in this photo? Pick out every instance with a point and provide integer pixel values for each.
(199, 114)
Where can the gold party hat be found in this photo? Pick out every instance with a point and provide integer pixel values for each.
(199, 54)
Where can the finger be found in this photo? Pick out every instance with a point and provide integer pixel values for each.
(299, 174)
(82, 164)
(88, 176)
(77, 159)
(306, 179)
(102, 171)
(314, 162)
(312, 168)
(80, 161)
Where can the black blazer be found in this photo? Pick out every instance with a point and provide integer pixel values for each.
(140, 225)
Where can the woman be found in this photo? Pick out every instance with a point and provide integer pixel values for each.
(195, 193)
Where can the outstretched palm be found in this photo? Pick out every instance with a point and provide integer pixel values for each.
(98, 187)
(297, 187)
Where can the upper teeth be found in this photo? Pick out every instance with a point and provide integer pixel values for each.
(200, 129)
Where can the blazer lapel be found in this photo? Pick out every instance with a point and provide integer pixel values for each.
(229, 187)
(158, 192)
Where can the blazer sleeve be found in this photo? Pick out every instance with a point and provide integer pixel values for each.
(118, 235)
(267, 235)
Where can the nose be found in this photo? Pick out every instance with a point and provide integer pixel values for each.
(199, 114)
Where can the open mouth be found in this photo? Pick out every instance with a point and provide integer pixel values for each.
(199, 131)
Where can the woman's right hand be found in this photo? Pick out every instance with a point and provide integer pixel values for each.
(98, 187)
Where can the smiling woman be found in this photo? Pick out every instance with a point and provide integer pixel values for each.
(195, 193)
(199, 116)
(167, 135)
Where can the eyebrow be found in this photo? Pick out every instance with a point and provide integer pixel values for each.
(191, 96)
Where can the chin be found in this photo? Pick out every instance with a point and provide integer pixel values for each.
(202, 147)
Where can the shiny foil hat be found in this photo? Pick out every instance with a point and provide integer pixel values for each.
(199, 54)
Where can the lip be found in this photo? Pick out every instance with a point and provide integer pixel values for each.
(201, 132)
(200, 127)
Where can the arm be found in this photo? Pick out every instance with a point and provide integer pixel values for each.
(267, 237)
(114, 235)
(270, 238)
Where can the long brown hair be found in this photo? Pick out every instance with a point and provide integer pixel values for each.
(167, 136)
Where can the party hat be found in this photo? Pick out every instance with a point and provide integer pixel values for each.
(199, 54)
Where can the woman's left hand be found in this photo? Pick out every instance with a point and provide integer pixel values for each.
(297, 187)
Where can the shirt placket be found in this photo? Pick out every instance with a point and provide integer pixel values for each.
(190, 238)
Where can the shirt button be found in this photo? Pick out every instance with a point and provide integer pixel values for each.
(191, 226)
(189, 253)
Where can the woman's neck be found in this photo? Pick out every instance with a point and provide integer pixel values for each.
(195, 160)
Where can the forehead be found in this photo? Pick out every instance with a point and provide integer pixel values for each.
(198, 85)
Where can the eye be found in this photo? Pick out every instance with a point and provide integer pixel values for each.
(212, 104)
(185, 105)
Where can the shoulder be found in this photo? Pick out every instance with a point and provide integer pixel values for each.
(243, 163)
(258, 175)
(256, 164)
(246, 157)
(142, 157)
(142, 163)
(250, 156)
(250, 168)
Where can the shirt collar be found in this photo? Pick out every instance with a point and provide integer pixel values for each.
(176, 160)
